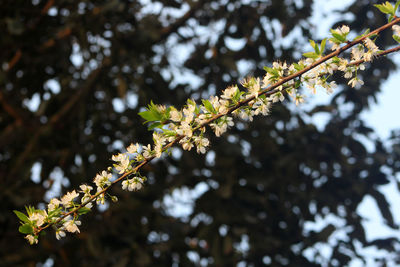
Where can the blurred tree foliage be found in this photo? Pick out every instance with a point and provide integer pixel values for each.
(74, 75)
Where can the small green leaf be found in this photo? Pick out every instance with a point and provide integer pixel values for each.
(335, 60)
(155, 125)
(310, 55)
(83, 210)
(312, 43)
(26, 229)
(386, 8)
(382, 8)
(323, 44)
(30, 210)
(148, 115)
(362, 35)
(391, 17)
(207, 104)
(267, 69)
(338, 36)
(298, 67)
(21, 216)
(315, 46)
(54, 212)
(297, 84)
(396, 6)
(272, 71)
(390, 7)
(236, 97)
(169, 132)
(396, 38)
(191, 102)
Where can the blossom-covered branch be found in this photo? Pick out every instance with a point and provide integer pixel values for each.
(187, 126)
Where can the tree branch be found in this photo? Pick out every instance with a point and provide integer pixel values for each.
(266, 91)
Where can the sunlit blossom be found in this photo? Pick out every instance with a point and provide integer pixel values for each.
(67, 199)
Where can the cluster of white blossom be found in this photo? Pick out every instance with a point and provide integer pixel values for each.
(187, 126)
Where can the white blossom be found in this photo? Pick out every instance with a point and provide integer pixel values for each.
(175, 115)
(261, 106)
(133, 148)
(53, 204)
(229, 92)
(254, 88)
(357, 52)
(277, 97)
(185, 129)
(372, 49)
(202, 118)
(355, 81)
(221, 127)
(201, 143)
(100, 198)
(266, 80)
(31, 239)
(188, 112)
(68, 199)
(349, 72)
(396, 29)
(159, 139)
(134, 184)
(60, 234)
(122, 162)
(186, 143)
(38, 217)
(86, 190)
(299, 99)
(71, 225)
(344, 29)
(335, 46)
(102, 179)
(245, 114)
(147, 151)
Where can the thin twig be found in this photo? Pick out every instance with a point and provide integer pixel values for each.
(266, 91)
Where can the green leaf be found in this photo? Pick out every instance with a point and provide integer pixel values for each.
(148, 115)
(237, 95)
(26, 229)
(207, 104)
(312, 43)
(396, 38)
(315, 46)
(396, 6)
(297, 84)
(390, 7)
(83, 210)
(155, 125)
(338, 36)
(191, 102)
(310, 55)
(54, 212)
(267, 69)
(323, 44)
(272, 71)
(298, 67)
(21, 216)
(390, 18)
(169, 132)
(386, 8)
(30, 210)
(362, 35)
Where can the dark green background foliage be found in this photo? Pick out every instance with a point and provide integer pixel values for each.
(265, 179)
